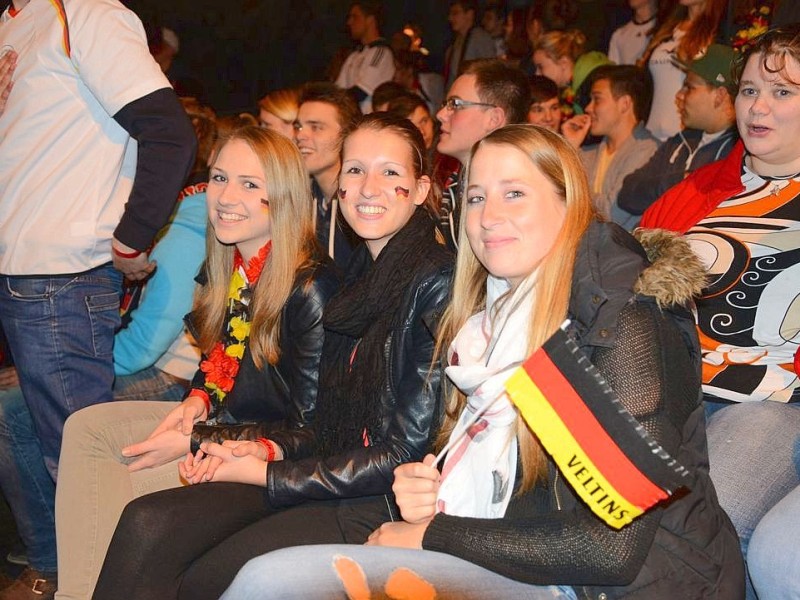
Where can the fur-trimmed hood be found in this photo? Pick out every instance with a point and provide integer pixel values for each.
(676, 275)
(612, 268)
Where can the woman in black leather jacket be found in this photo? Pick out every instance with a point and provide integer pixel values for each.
(377, 403)
(263, 269)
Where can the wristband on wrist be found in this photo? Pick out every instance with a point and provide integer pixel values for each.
(133, 254)
(269, 447)
(203, 396)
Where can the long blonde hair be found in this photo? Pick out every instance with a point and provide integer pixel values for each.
(294, 247)
(561, 165)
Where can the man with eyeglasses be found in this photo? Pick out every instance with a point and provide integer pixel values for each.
(324, 112)
(488, 95)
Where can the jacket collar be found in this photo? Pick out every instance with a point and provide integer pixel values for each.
(612, 267)
(607, 265)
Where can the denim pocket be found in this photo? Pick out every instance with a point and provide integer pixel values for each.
(29, 288)
(104, 317)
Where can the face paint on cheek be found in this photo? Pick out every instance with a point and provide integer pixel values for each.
(265, 203)
(342, 193)
(401, 192)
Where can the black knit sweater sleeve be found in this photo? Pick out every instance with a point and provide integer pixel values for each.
(653, 370)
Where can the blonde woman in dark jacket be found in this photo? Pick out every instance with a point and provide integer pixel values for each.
(258, 321)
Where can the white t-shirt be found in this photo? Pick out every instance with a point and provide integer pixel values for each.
(66, 167)
(629, 42)
(665, 121)
(367, 68)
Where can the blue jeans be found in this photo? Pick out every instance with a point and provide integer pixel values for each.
(24, 479)
(60, 330)
(27, 486)
(340, 571)
(754, 455)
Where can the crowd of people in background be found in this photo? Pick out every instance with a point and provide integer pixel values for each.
(235, 347)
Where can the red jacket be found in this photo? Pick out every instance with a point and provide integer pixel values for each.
(687, 203)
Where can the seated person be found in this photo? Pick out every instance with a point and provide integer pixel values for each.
(278, 110)
(560, 56)
(385, 93)
(545, 109)
(705, 103)
(257, 318)
(499, 521)
(154, 359)
(412, 107)
(325, 112)
(740, 216)
(620, 101)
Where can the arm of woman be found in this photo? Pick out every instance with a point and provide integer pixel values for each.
(170, 439)
(368, 470)
(302, 336)
(573, 546)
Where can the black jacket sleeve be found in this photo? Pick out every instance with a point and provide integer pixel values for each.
(301, 341)
(656, 379)
(411, 410)
(166, 149)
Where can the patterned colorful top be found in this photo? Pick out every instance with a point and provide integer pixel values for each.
(749, 315)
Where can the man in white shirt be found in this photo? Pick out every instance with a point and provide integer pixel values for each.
(372, 62)
(95, 148)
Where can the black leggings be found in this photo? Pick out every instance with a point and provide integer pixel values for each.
(189, 543)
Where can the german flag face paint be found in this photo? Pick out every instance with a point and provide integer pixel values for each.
(378, 189)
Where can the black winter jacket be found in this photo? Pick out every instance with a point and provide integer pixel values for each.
(631, 320)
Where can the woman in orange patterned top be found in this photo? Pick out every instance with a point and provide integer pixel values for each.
(742, 217)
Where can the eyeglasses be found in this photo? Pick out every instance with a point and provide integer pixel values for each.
(452, 104)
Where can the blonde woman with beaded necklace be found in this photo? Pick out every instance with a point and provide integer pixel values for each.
(258, 320)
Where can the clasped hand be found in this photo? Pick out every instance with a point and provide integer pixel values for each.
(416, 488)
(170, 440)
(236, 461)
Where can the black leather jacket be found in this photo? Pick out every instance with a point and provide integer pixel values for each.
(410, 403)
(280, 396)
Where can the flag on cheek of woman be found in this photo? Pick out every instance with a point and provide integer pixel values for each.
(604, 453)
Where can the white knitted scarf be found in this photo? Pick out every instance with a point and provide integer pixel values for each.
(480, 469)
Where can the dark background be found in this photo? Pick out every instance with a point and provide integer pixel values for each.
(241, 49)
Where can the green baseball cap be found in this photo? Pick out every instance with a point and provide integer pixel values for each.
(715, 66)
